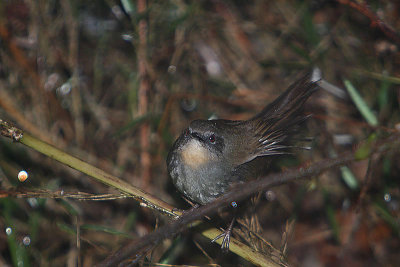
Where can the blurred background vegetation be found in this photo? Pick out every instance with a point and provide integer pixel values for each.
(114, 83)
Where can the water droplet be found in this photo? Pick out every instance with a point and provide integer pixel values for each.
(387, 197)
(234, 204)
(22, 176)
(62, 192)
(188, 104)
(127, 37)
(172, 69)
(26, 240)
(270, 195)
(33, 202)
(65, 88)
(142, 204)
(8, 231)
(213, 68)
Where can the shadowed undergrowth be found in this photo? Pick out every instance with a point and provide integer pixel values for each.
(114, 83)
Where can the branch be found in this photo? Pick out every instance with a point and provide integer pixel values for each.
(236, 194)
(143, 97)
(179, 225)
(375, 20)
(7, 130)
(240, 192)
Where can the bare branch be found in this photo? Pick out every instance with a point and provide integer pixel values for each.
(236, 194)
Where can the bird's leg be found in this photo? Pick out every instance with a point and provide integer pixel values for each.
(226, 236)
(228, 232)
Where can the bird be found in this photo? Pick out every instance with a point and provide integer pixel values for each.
(210, 156)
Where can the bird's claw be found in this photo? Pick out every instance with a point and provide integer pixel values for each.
(225, 241)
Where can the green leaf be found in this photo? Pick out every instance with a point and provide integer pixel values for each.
(365, 149)
(128, 6)
(348, 178)
(105, 229)
(383, 94)
(311, 33)
(365, 111)
(66, 228)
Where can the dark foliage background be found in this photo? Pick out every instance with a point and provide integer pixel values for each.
(114, 83)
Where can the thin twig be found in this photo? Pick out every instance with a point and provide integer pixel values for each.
(73, 42)
(42, 193)
(144, 88)
(367, 180)
(375, 20)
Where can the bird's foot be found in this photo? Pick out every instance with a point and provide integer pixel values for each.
(226, 237)
(225, 241)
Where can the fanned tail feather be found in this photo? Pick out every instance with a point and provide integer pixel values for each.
(282, 118)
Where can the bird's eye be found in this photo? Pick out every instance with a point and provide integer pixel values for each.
(211, 138)
(186, 132)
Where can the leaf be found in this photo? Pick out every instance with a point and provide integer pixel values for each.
(365, 149)
(362, 106)
(128, 6)
(108, 230)
(348, 178)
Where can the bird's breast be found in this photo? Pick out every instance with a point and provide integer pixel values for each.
(195, 155)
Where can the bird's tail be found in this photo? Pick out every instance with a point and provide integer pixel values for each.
(281, 119)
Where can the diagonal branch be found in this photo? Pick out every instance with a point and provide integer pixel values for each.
(146, 199)
(236, 194)
(150, 201)
(375, 20)
(167, 231)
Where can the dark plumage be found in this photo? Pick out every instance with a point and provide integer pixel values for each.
(211, 155)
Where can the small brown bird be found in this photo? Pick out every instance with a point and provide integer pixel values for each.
(211, 155)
